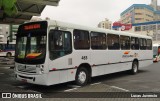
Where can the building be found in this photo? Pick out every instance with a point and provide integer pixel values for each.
(139, 13)
(105, 24)
(154, 4)
(4, 32)
(7, 32)
(146, 28)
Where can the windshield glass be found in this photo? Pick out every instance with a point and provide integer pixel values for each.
(155, 50)
(31, 48)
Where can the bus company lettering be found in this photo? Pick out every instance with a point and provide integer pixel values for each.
(129, 55)
(30, 27)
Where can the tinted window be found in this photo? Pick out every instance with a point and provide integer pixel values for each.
(81, 39)
(60, 44)
(124, 42)
(98, 40)
(149, 44)
(113, 42)
(134, 43)
(143, 44)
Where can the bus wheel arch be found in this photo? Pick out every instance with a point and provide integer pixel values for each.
(9, 54)
(135, 67)
(83, 71)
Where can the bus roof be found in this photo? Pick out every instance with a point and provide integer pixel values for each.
(64, 25)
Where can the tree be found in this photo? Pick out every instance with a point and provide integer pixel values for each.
(9, 7)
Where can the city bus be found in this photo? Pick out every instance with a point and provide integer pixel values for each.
(53, 52)
(7, 50)
(156, 52)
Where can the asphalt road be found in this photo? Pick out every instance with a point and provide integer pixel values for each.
(147, 80)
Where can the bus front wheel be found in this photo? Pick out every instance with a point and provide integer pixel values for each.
(134, 69)
(82, 76)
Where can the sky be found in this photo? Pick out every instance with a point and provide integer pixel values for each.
(89, 12)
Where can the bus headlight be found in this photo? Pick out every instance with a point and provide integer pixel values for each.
(41, 69)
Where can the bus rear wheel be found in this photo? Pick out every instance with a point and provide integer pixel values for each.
(8, 54)
(134, 69)
(82, 76)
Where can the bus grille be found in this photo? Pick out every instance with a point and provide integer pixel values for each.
(27, 69)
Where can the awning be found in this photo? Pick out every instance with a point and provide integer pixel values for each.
(27, 9)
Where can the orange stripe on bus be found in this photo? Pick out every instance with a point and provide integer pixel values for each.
(126, 52)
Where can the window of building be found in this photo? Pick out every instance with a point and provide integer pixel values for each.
(138, 28)
(138, 18)
(113, 42)
(143, 28)
(149, 44)
(138, 13)
(81, 39)
(150, 27)
(125, 42)
(143, 43)
(134, 43)
(98, 40)
(154, 27)
(158, 27)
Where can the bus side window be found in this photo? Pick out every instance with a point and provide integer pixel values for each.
(125, 42)
(134, 43)
(149, 44)
(143, 44)
(113, 42)
(60, 43)
(81, 39)
(98, 41)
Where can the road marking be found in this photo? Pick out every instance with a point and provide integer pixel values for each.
(96, 83)
(23, 87)
(70, 89)
(74, 86)
(120, 88)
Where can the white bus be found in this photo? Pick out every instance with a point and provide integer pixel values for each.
(7, 50)
(53, 52)
(156, 52)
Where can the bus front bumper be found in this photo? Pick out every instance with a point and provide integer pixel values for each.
(40, 79)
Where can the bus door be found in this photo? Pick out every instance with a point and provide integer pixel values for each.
(60, 46)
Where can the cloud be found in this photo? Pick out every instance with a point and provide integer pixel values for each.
(89, 12)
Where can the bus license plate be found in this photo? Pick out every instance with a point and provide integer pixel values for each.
(24, 80)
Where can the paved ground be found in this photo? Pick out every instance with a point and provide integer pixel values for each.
(147, 80)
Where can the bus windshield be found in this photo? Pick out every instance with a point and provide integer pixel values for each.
(31, 48)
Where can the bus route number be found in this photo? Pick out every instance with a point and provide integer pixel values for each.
(84, 58)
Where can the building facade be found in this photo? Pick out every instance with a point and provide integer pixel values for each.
(105, 24)
(146, 28)
(138, 13)
(7, 32)
(4, 32)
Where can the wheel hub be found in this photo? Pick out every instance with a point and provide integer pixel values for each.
(82, 77)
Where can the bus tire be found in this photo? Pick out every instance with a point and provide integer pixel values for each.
(9, 54)
(82, 76)
(134, 69)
